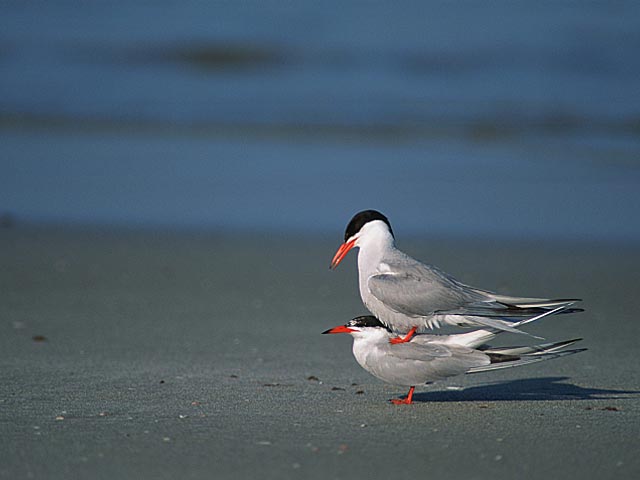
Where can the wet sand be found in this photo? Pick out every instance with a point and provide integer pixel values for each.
(145, 354)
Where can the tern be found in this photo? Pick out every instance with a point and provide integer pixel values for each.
(425, 358)
(408, 296)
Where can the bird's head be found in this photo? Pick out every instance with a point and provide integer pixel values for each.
(361, 326)
(366, 226)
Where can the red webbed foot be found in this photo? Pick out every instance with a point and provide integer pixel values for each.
(404, 339)
(404, 401)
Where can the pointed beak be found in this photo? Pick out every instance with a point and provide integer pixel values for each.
(340, 329)
(342, 252)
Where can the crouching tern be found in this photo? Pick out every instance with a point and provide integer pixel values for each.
(408, 296)
(426, 358)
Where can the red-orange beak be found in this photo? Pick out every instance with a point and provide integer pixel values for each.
(342, 251)
(340, 329)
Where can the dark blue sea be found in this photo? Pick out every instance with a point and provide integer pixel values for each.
(507, 119)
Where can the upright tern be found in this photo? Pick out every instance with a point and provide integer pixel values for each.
(428, 358)
(408, 296)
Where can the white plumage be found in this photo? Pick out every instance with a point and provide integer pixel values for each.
(428, 358)
(404, 293)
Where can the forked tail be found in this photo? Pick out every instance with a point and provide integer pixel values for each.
(507, 357)
(478, 337)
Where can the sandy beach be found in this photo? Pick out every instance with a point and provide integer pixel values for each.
(502, 140)
(150, 354)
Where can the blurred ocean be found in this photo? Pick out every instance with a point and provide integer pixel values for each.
(499, 118)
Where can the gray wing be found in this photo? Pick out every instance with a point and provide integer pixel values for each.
(418, 350)
(441, 360)
(419, 290)
(415, 289)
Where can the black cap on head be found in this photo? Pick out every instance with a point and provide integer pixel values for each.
(360, 219)
(366, 321)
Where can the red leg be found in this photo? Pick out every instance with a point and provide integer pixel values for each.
(404, 401)
(406, 338)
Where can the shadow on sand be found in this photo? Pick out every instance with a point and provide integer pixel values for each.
(545, 388)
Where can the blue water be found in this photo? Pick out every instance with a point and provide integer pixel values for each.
(517, 119)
